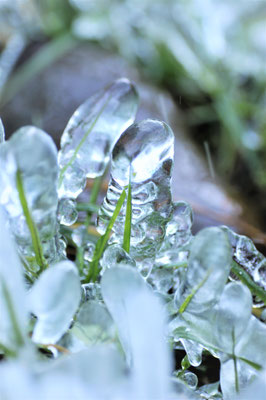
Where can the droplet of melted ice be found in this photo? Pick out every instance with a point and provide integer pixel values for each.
(91, 133)
(146, 149)
(208, 270)
(245, 254)
(2, 132)
(32, 153)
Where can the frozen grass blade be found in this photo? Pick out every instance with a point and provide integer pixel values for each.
(36, 243)
(188, 299)
(18, 336)
(83, 140)
(127, 231)
(248, 281)
(94, 269)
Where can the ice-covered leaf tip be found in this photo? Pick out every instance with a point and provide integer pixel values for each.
(145, 150)
(54, 298)
(207, 273)
(28, 177)
(2, 132)
(91, 133)
(140, 320)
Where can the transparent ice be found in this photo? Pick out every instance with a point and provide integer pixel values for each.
(91, 133)
(143, 155)
(13, 307)
(67, 213)
(208, 270)
(32, 153)
(140, 320)
(246, 255)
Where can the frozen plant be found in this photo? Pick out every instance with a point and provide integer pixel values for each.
(141, 285)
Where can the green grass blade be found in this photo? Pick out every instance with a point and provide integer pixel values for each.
(36, 243)
(101, 243)
(254, 365)
(88, 207)
(248, 281)
(193, 292)
(47, 55)
(235, 362)
(127, 230)
(72, 159)
(11, 312)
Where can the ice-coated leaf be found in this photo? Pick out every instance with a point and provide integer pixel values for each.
(2, 132)
(140, 320)
(246, 255)
(207, 273)
(93, 324)
(54, 298)
(232, 315)
(28, 177)
(91, 133)
(144, 151)
(13, 309)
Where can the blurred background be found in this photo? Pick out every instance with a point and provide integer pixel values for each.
(198, 64)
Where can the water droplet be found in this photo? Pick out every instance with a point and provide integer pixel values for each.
(66, 212)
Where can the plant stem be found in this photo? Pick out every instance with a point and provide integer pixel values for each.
(36, 243)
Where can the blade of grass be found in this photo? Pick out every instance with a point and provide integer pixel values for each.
(11, 312)
(88, 207)
(36, 243)
(127, 230)
(101, 243)
(47, 55)
(188, 299)
(248, 281)
(235, 362)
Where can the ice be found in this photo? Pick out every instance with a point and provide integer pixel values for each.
(13, 308)
(32, 154)
(2, 132)
(53, 299)
(115, 255)
(174, 249)
(233, 314)
(91, 133)
(246, 255)
(67, 213)
(140, 320)
(194, 351)
(93, 324)
(208, 270)
(146, 151)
